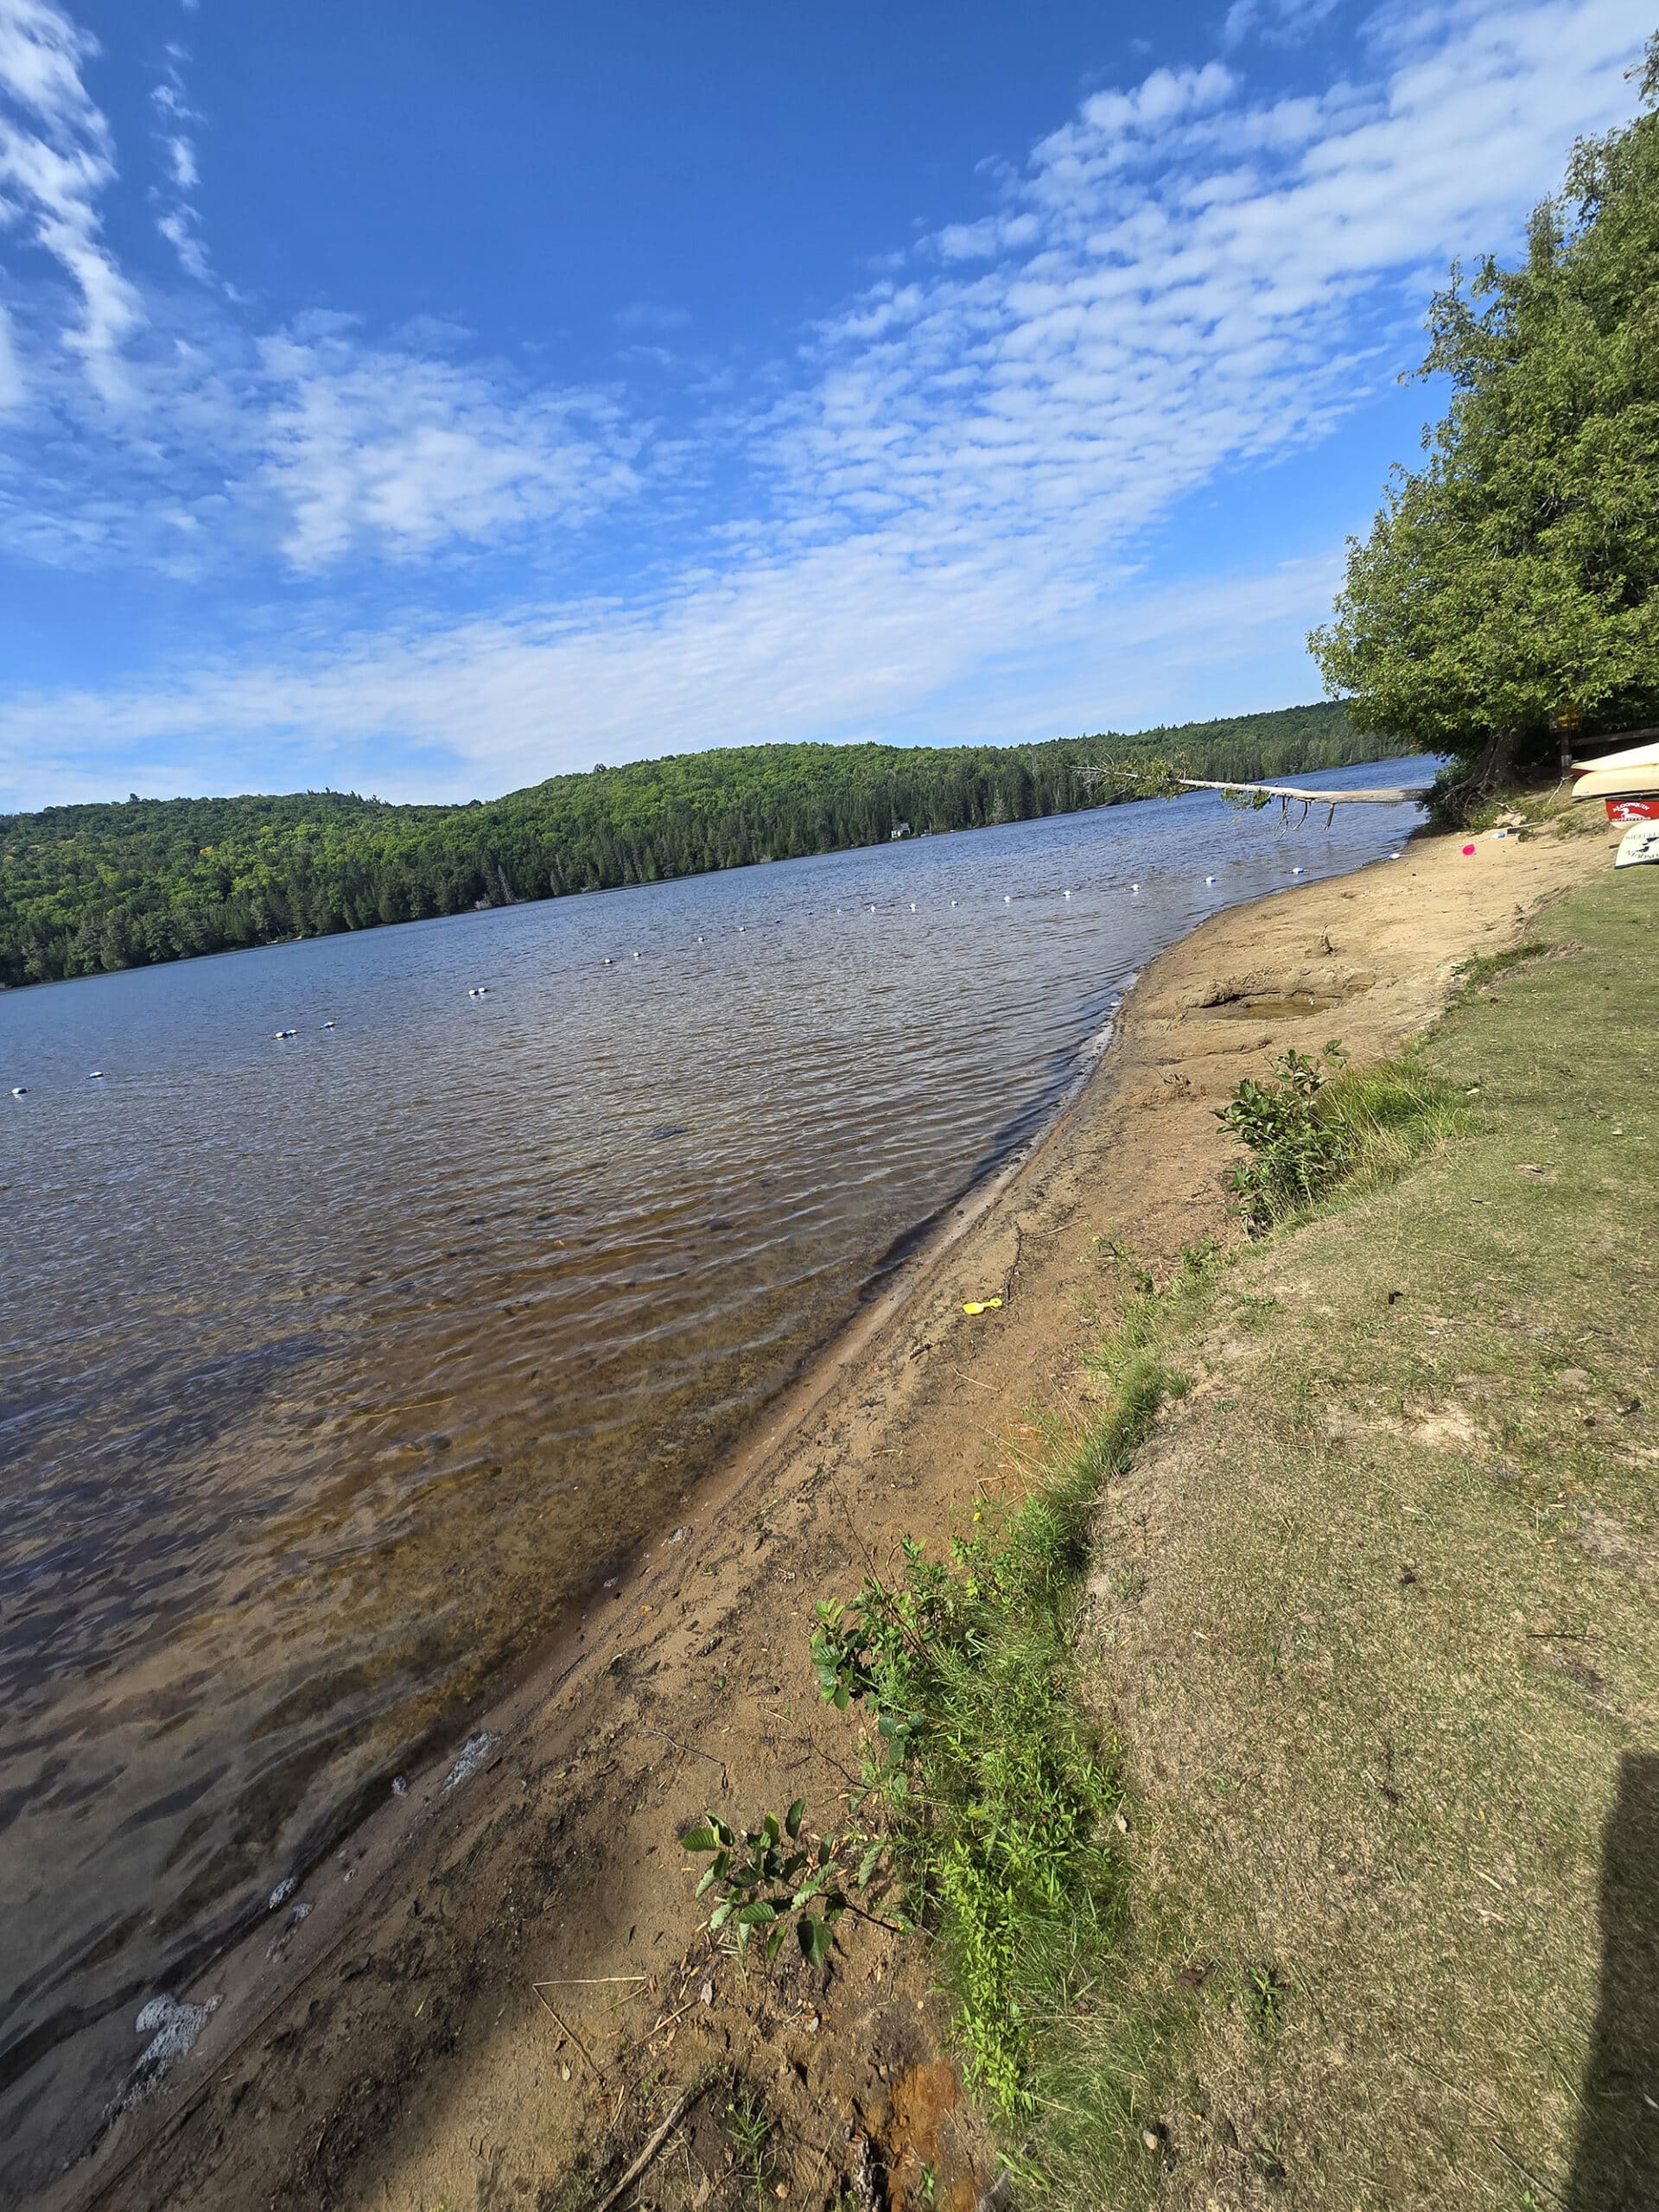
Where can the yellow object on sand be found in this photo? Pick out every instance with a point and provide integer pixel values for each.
(981, 1304)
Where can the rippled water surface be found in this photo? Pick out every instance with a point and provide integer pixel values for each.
(337, 1365)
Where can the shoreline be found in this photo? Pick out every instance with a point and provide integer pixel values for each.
(382, 1840)
(573, 1700)
(74, 2063)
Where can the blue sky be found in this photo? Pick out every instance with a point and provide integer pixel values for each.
(423, 399)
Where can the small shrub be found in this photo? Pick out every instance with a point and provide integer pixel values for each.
(1296, 1155)
(767, 1878)
(1322, 1124)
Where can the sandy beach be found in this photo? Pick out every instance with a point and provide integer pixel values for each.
(498, 1987)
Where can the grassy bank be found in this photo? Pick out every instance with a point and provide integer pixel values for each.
(1278, 1780)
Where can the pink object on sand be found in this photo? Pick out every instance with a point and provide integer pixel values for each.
(1467, 850)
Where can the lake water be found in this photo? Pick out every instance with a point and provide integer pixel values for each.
(338, 1365)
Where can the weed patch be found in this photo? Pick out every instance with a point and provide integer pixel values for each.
(1483, 967)
(994, 1787)
(1315, 1125)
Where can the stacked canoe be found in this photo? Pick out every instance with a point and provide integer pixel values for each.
(1627, 783)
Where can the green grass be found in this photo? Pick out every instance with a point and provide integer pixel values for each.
(1486, 966)
(994, 1785)
(754, 2139)
(1256, 1773)
(1383, 1686)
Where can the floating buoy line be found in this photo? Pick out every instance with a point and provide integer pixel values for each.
(483, 990)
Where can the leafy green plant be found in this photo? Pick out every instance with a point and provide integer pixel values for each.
(995, 1790)
(1294, 1155)
(768, 1879)
(1323, 1124)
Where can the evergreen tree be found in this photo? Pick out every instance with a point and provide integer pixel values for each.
(1507, 591)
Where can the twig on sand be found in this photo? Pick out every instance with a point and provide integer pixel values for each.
(583, 1981)
(654, 2142)
(691, 1752)
(598, 2070)
(974, 1380)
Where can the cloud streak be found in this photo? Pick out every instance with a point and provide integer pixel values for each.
(56, 159)
(180, 221)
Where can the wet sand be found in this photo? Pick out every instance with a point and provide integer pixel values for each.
(391, 2047)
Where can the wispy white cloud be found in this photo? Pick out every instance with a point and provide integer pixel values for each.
(1282, 23)
(179, 220)
(13, 390)
(651, 314)
(508, 700)
(228, 442)
(402, 453)
(56, 159)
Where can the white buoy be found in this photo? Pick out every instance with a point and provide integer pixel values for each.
(636, 956)
(1068, 894)
(327, 1024)
(607, 959)
(912, 905)
(956, 902)
(1135, 886)
(1295, 870)
(97, 1076)
(699, 940)
(278, 1034)
(20, 1091)
(1007, 899)
(1209, 879)
(872, 910)
(739, 929)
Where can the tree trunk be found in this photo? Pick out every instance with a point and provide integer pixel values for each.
(1492, 769)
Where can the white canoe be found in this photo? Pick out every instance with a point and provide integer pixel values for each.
(1634, 756)
(1619, 783)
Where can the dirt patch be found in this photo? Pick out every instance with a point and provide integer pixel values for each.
(503, 2001)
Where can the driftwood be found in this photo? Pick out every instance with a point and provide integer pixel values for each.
(1164, 782)
(1311, 799)
(1289, 795)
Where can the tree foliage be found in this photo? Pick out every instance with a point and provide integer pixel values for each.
(1508, 586)
(84, 888)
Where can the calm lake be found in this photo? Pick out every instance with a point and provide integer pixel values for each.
(338, 1364)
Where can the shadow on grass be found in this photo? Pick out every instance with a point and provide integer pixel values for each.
(1616, 2163)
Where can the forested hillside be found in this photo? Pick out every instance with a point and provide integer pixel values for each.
(83, 888)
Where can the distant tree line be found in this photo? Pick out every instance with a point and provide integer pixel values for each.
(88, 888)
